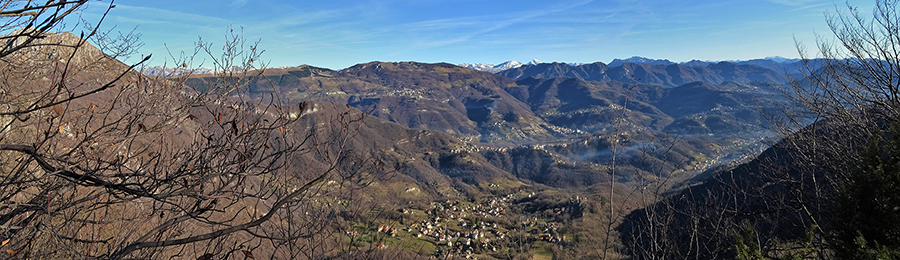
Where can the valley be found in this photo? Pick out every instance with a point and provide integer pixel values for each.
(507, 143)
(487, 110)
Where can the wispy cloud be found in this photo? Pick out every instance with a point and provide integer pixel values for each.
(809, 6)
(235, 4)
(794, 2)
(488, 25)
(139, 12)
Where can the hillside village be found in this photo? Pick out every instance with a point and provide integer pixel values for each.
(483, 230)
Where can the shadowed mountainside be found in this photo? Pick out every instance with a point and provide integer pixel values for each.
(781, 194)
(505, 119)
(671, 75)
(469, 104)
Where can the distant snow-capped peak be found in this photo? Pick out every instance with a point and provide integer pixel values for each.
(509, 65)
(477, 66)
(492, 68)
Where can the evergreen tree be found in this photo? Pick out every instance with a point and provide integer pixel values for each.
(867, 207)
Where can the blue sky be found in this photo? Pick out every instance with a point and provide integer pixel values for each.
(337, 33)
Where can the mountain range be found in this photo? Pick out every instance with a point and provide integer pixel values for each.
(548, 123)
(775, 62)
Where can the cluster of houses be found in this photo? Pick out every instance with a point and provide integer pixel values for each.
(387, 230)
(461, 229)
(453, 228)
